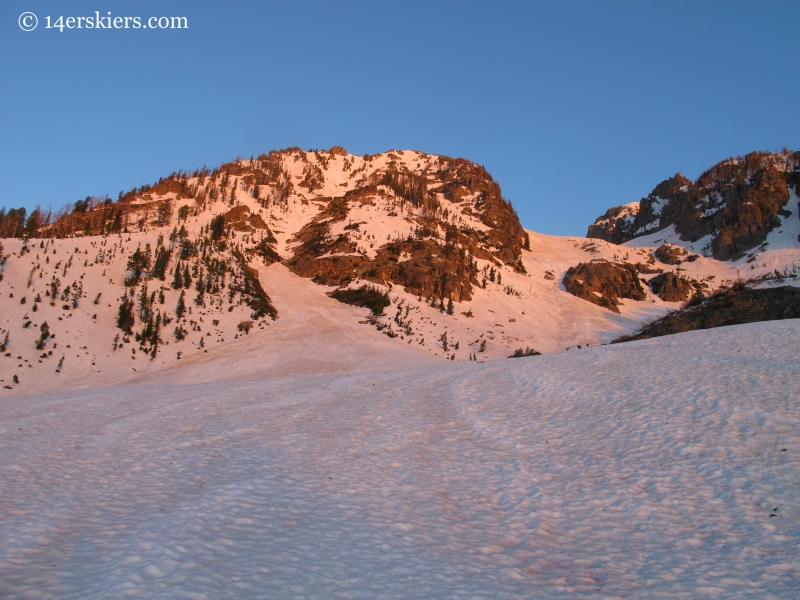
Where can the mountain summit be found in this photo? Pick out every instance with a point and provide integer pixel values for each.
(732, 207)
(239, 271)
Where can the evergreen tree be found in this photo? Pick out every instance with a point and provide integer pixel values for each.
(138, 263)
(443, 339)
(154, 338)
(4, 345)
(450, 306)
(233, 193)
(125, 318)
(187, 278)
(144, 304)
(32, 224)
(55, 284)
(12, 222)
(164, 212)
(147, 330)
(180, 308)
(160, 263)
(217, 227)
(161, 298)
(44, 329)
(177, 282)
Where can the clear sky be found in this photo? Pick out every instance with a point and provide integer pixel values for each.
(573, 107)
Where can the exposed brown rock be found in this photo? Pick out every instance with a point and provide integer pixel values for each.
(461, 177)
(671, 287)
(240, 218)
(729, 307)
(647, 269)
(670, 254)
(234, 169)
(738, 202)
(604, 283)
(430, 266)
(168, 186)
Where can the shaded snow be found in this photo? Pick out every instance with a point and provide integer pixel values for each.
(648, 469)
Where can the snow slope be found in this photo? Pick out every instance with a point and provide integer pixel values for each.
(780, 251)
(313, 335)
(523, 310)
(311, 328)
(664, 468)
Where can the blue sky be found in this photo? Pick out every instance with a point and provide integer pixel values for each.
(572, 106)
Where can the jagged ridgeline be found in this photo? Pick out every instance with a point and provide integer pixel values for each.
(407, 218)
(736, 204)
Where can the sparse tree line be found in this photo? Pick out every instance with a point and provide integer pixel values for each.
(209, 265)
(213, 266)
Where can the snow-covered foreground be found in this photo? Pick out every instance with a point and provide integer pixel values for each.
(664, 468)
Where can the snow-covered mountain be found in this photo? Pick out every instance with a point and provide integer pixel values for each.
(287, 390)
(239, 264)
(730, 210)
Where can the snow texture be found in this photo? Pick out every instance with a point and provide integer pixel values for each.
(524, 310)
(665, 468)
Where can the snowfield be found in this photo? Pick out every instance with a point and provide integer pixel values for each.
(665, 468)
(75, 285)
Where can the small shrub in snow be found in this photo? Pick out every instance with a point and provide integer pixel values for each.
(519, 353)
(44, 329)
(367, 296)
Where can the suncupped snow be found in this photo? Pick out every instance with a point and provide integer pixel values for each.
(662, 468)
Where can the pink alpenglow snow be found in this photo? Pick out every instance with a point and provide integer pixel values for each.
(661, 468)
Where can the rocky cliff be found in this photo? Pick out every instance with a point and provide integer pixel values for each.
(735, 204)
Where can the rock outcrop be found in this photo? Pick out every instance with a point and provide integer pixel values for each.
(603, 283)
(669, 254)
(730, 307)
(442, 216)
(457, 213)
(671, 287)
(240, 219)
(737, 202)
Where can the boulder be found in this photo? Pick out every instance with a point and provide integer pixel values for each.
(670, 254)
(671, 287)
(603, 283)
